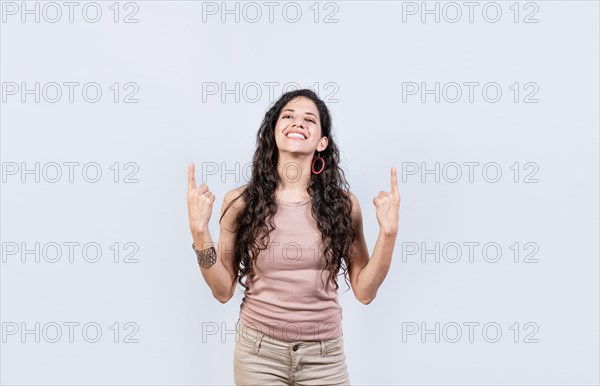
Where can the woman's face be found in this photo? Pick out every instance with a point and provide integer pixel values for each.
(298, 127)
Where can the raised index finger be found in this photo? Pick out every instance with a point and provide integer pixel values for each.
(191, 177)
(394, 180)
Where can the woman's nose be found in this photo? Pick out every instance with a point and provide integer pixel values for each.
(299, 122)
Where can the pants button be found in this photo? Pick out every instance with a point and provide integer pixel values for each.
(295, 348)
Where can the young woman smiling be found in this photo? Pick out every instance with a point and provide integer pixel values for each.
(289, 231)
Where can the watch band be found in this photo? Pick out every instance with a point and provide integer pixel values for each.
(206, 257)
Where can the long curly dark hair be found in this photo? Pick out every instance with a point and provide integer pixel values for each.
(329, 192)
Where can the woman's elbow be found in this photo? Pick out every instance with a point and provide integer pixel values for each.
(365, 299)
(223, 297)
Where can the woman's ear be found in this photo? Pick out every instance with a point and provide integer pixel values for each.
(324, 141)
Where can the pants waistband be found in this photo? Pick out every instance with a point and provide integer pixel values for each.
(260, 341)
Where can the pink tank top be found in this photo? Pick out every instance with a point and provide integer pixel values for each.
(285, 298)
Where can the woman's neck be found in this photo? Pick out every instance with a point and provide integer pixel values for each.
(294, 176)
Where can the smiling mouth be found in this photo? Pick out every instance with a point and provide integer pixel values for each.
(295, 136)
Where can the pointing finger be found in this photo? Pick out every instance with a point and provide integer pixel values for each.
(394, 180)
(191, 177)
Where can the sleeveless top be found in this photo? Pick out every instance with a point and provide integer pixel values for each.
(288, 297)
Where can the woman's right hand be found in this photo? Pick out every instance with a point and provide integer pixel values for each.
(200, 203)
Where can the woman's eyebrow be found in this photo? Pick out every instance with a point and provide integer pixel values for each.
(308, 112)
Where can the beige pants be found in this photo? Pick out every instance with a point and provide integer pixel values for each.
(259, 359)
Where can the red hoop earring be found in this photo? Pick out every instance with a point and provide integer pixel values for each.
(322, 164)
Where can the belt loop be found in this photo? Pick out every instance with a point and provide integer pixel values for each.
(322, 348)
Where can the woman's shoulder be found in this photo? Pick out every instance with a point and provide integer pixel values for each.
(233, 203)
(356, 212)
(235, 197)
(352, 197)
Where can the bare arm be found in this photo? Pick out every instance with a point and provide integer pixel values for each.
(221, 276)
(367, 274)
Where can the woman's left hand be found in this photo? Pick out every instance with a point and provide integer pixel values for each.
(387, 207)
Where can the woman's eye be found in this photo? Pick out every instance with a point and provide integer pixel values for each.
(288, 116)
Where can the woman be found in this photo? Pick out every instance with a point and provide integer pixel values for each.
(289, 231)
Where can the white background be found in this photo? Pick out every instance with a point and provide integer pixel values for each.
(358, 64)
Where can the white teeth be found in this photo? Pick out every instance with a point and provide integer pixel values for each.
(296, 135)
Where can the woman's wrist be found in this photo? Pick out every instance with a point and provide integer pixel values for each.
(199, 231)
(389, 232)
